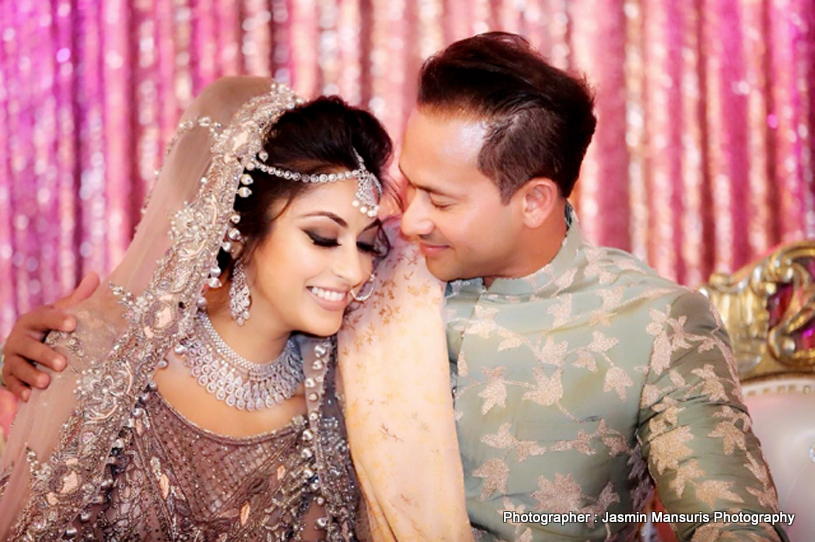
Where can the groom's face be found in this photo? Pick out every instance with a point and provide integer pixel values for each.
(454, 211)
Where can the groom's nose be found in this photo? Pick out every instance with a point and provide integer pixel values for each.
(415, 220)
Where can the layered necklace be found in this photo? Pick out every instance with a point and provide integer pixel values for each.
(235, 380)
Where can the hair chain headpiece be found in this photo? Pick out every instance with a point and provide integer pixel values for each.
(366, 198)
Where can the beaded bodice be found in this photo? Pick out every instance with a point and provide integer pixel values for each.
(175, 480)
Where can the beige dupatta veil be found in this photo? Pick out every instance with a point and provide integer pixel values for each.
(399, 406)
(54, 464)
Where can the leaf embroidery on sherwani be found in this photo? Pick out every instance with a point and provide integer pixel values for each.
(734, 416)
(732, 437)
(679, 337)
(522, 532)
(661, 354)
(601, 343)
(767, 496)
(668, 449)
(684, 475)
(585, 360)
(503, 439)
(495, 393)
(559, 496)
(548, 391)
(561, 311)
(553, 353)
(565, 280)
(463, 367)
(483, 322)
(710, 491)
(495, 473)
(617, 379)
(526, 448)
(712, 386)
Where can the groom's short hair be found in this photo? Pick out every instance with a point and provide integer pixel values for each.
(540, 118)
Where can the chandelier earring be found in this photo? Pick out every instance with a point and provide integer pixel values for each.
(359, 296)
(239, 295)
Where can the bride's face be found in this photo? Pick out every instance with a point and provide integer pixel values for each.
(320, 249)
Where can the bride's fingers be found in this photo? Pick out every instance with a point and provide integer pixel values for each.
(38, 322)
(20, 390)
(20, 369)
(88, 285)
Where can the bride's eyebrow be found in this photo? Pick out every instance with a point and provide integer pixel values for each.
(340, 221)
(328, 214)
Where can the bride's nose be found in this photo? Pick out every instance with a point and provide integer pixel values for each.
(351, 266)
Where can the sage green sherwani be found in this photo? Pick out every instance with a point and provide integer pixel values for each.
(578, 387)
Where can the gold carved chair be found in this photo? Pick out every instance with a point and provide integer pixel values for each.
(769, 311)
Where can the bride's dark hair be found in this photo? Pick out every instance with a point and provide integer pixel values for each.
(319, 136)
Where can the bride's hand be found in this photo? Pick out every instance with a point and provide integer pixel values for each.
(24, 347)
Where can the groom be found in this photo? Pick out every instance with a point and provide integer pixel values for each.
(581, 377)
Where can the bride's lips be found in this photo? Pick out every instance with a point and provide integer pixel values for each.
(330, 300)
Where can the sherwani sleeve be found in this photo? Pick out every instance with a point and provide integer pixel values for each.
(695, 430)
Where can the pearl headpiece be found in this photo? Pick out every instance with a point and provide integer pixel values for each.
(369, 189)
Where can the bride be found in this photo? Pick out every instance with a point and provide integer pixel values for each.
(202, 399)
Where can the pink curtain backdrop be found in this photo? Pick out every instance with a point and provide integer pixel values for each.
(702, 159)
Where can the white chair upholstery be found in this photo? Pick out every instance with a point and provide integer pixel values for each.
(783, 413)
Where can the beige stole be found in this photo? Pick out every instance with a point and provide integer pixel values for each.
(398, 403)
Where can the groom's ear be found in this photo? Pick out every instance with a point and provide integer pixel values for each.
(537, 199)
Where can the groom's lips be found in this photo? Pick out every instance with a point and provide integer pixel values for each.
(430, 250)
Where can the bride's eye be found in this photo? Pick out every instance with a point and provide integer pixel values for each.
(367, 247)
(321, 241)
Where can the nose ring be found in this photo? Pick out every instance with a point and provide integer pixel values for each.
(360, 298)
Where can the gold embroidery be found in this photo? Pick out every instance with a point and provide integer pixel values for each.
(526, 448)
(684, 475)
(463, 367)
(495, 393)
(618, 380)
(549, 390)
(483, 322)
(709, 491)
(582, 444)
(561, 311)
(601, 343)
(553, 353)
(712, 386)
(503, 439)
(669, 448)
(732, 437)
(559, 496)
(585, 360)
(495, 473)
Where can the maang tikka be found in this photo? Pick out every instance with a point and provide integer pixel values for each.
(239, 295)
(366, 198)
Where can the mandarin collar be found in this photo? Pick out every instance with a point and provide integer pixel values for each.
(542, 282)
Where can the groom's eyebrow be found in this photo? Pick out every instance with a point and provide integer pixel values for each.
(428, 189)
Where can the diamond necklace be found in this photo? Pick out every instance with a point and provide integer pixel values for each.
(235, 380)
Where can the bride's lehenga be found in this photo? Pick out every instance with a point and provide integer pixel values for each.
(169, 479)
(100, 455)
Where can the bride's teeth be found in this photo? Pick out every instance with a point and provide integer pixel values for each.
(327, 295)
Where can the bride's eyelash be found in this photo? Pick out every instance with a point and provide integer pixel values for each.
(321, 241)
(366, 247)
(328, 242)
